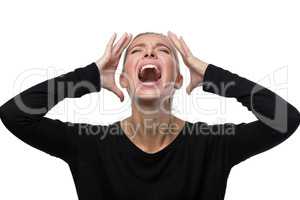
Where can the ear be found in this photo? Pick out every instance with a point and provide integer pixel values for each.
(124, 80)
(178, 81)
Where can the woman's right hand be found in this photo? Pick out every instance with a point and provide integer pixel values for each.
(109, 61)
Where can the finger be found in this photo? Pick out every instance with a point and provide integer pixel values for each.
(176, 42)
(173, 38)
(185, 46)
(118, 92)
(120, 43)
(126, 43)
(109, 45)
(171, 41)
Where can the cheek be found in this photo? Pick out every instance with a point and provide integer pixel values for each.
(166, 59)
(132, 60)
(169, 68)
(130, 69)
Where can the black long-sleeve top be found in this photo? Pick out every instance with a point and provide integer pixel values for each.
(105, 164)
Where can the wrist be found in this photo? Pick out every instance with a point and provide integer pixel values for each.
(99, 66)
(202, 66)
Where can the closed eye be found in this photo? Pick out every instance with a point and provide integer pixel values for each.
(136, 50)
(165, 50)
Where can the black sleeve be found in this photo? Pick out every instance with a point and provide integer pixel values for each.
(23, 115)
(276, 120)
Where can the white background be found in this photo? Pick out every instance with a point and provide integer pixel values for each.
(255, 39)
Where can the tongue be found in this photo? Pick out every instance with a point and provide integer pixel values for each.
(149, 75)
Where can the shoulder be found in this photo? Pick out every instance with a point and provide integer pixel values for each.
(211, 135)
(88, 138)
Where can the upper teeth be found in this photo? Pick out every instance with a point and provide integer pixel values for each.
(149, 66)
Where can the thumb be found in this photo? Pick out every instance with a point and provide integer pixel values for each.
(118, 92)
(189, 88)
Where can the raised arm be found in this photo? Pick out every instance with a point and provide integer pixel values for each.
(276, 120)
(23, 115)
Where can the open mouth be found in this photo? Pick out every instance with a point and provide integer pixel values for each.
(149, 73)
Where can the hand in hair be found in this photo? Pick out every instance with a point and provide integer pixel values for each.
(196, 66)
(109, 62)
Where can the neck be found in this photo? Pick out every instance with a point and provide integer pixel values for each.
(151, 124)
(151, 115)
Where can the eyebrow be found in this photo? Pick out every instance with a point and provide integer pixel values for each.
(157, 44)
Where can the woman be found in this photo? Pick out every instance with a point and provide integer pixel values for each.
(151, 154)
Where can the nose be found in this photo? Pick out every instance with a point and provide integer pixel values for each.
(150, 53)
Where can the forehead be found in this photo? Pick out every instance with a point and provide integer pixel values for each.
(150, 39)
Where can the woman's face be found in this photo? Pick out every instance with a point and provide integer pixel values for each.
(150, 70)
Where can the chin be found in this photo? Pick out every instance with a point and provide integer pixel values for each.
(152, 93)
(148, 95)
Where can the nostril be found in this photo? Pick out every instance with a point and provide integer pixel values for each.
(152, 55)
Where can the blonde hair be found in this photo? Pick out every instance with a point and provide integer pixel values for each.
(153, 33)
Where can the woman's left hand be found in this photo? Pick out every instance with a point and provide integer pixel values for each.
(196, 66)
